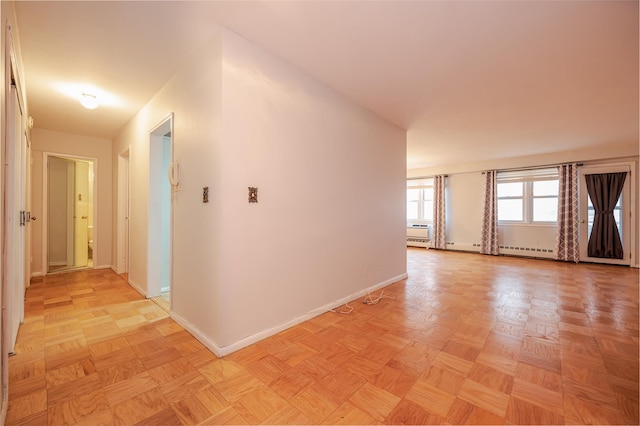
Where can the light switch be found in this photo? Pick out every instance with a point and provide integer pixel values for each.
(253, 194)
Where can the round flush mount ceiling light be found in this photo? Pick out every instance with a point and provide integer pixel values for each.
(80, 92)
(89, 101)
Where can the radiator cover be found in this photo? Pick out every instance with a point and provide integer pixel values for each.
(418, 236)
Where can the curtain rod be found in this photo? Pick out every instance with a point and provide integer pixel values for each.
(523, 169)
(426, 177)
(579, 164)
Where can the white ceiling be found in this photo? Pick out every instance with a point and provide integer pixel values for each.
(470, 81)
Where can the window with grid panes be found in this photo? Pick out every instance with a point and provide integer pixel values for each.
(529, 196)
(419, 201)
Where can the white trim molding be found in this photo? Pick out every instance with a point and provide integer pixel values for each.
(221, 351)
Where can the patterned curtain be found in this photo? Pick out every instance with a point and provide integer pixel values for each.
(439, 222)
(567, 247)
(489, 243)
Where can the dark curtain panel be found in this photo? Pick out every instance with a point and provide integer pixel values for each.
(604, 191)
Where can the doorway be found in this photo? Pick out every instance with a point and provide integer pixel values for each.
(70, 219)
(124, 201)
(160, 210)
(622, 212)
(16, 250)
(15, 216)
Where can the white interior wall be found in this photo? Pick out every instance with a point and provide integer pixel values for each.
(464, 193)
(330, 217)
(81, 146)
(193, 96)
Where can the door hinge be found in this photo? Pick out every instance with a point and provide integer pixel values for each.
(22, 217)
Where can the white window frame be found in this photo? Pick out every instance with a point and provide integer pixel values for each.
(527, 177)
(422, 183)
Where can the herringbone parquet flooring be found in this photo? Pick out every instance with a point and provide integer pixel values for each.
(466, 339)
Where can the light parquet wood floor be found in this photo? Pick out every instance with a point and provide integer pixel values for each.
(468, 339)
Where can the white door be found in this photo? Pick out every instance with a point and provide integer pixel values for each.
(14, 218)
(621, 213)
(122, 265)
(70, 190)
(59, 214)
(81, 215)
(27, 207)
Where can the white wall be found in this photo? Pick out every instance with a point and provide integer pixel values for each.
(330, 218)
(193, 95)
(80, 146)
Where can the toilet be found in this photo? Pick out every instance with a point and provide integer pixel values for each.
(90, 235)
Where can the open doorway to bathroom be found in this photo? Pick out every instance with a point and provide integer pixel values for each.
(70, 215)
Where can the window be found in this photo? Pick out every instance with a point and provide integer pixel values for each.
(544, 195)
(419, 201)
(511, 201)
(528, 196)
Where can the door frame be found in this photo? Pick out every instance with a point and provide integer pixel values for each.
(124, 204)
(14, 176)
(156, 175)
(45, 206)
(628, 231)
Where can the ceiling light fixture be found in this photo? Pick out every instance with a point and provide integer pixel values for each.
(89, 101)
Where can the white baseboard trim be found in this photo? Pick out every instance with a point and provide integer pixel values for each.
(137, 288)
(221, 351)
(36, 274)
(102, 267)
(115, 269)
(199, 335)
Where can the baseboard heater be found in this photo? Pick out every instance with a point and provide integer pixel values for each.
(418, 236)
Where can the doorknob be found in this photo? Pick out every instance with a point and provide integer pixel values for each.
(84, 217)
